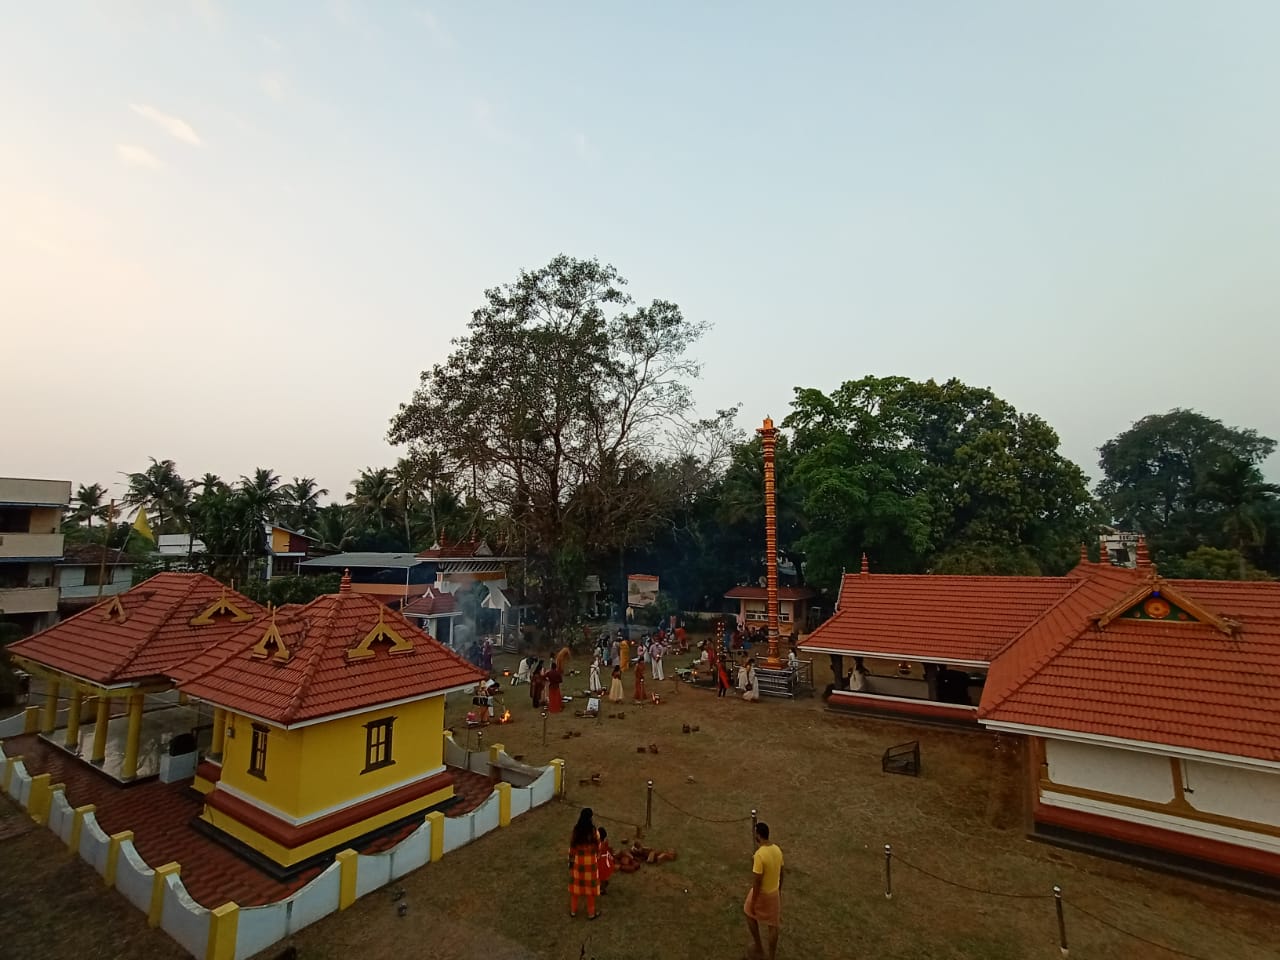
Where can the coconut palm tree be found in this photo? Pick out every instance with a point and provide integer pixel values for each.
(209, 483)
(375, 498)
(161, 490)
(334, 527)
(302, 503)
(88, 504)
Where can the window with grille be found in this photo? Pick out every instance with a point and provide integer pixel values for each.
(258, 752)
(377, 744)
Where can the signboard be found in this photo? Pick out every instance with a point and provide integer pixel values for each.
(642, 590)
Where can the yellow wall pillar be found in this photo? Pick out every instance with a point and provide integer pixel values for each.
(73, 718)
(504, 804)
(77, 824)
(436, 819)
(157, 892)
(50, 719)
(31, 720)
(494, 750)
(113, 856)
(39, 798)
(219, 732)
(101, 724)
(558, 765)
(132, 739)
(223, 924)
(348, 860)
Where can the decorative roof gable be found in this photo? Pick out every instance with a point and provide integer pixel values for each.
(381, 631)
(272, 644)
(222, 607)
(1155, 599)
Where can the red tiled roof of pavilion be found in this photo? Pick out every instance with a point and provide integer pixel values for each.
(933, 618)
(433, 603)
(762, 593)
(1180, 684)
(457, 549)
(153, 635)
(319, 679)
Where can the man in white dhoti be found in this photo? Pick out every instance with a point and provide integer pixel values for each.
(656, 652)
(594, 675)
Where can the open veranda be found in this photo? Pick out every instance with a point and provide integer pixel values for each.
(815, 777)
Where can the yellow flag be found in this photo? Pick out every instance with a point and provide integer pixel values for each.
(141, 526)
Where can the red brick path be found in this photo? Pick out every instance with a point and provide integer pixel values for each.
(160, 815)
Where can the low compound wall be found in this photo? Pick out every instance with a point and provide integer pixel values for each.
(230, 932)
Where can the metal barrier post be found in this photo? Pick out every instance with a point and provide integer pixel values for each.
(1062, 922)
(544, 728)
(888, 872)
(753, 828)
(648, 807)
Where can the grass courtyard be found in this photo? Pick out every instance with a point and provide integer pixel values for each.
(815, 778)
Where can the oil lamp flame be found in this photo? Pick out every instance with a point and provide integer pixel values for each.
(506, 717)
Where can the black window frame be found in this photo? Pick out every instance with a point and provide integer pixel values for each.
(258, 751)
(378, 736)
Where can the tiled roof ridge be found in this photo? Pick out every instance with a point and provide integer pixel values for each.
(250, 636)
(1054, 651)
(1047, 611)
(978, 577)
(314, 655)
(160, 624)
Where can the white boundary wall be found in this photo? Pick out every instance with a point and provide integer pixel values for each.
(257, 928)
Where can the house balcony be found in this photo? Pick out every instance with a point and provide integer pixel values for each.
(28, 599)
(30, 546)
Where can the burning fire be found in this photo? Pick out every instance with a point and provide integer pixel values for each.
(506, 717)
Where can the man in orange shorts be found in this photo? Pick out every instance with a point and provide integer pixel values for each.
(764, 902)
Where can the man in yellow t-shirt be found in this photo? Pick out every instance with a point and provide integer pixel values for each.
(764, 901)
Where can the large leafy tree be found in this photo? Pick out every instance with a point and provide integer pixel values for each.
(375, 499)
(335, 527)
(1186, 480)
(928, 476)
(555, 400)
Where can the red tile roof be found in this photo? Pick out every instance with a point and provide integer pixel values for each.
(433, 603)
(154, 635)
(933, 618)
(90, 555)
(761, 593)
(318, 679)
(1178, 684)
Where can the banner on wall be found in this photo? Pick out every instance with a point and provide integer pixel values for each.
(642, 590)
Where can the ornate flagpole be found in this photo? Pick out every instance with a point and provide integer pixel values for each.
(769, 440)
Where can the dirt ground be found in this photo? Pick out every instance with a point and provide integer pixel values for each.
(55, 907)
(815, 778)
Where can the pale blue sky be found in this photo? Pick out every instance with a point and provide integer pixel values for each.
(233, 233)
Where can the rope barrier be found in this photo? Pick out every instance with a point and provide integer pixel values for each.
(1129, 933)
(694, 816)
(964, 886)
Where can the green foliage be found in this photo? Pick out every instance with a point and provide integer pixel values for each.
(1212, 563)
(926, 476)
(1188, 481)
(282, 590)
(162, 492)
(659, 611)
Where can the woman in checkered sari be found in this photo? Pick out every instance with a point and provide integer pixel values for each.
(584, 870)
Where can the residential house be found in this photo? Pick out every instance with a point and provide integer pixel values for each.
(87, 573)
(30, 545)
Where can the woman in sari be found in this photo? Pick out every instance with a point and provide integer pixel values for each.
(640, 695)
(537, 681)
(584, 869)
(593, 679)
(615, 688)
(555, 703)
(722, 676)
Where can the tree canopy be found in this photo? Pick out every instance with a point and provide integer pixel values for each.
(1187, 482)
(559, 402)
